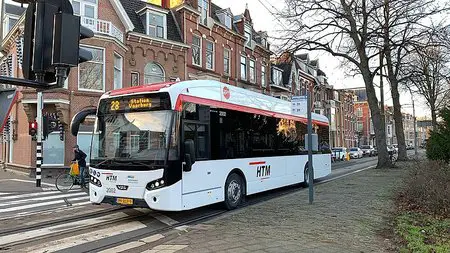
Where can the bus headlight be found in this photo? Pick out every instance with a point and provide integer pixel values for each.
(93, 180)
(155, 184)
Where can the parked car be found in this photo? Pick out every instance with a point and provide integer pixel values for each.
(368, 150)
(375, 151)
(410, 147)
(339, 153)
(356, 152)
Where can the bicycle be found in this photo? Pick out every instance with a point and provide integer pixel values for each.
(65, 181)
(393, 157)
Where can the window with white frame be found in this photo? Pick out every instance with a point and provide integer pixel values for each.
(209, 54)
(252, 71)
(156, 24)
(153, 73)
(117, 71)
(226, 61)
(91, 73)
(359, 112)
(263, 74)
(85, 8)
(248, 35)
(11, 22)
(228, 21)
(196, 50)
(277, 77)
(243, 67)
(203, 9)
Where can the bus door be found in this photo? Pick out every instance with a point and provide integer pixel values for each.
(196, 127)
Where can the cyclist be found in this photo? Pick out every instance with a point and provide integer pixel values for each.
(80, 157)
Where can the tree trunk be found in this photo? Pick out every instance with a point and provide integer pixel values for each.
(398, 117)
(378, 123)
(433, 117)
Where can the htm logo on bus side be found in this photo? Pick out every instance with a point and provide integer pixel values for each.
(262, 169)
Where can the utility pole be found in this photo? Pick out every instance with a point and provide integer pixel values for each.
(383, 118)
(310, 157)
(39, 146)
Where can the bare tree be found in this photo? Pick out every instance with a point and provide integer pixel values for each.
(347, 30)
(405, 24)
(428, 74)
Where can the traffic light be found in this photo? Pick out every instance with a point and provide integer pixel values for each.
(61, 132)
(51, 41)
(33, 129)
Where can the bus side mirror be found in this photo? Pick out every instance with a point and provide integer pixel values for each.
(189, 154)
(79, 118)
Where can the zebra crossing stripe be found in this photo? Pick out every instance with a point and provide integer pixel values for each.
(80, 239)
(58, 229)
(75, 194)
(34, 194)
(17, 208)
(54, 210)
(135, 244)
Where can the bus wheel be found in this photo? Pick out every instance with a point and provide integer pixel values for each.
(234, 191)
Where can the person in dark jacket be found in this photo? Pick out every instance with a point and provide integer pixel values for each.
(80, 156)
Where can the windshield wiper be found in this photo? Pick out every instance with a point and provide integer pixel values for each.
(104, 161)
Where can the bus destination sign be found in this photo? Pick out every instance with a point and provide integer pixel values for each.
(136, 103)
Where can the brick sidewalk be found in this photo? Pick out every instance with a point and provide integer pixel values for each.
(348, 215)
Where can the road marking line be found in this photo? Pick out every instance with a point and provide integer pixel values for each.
(30, 206)
(164, 219)
(166, 248)
(123, 247)
(42, 198)
(19, 196)
(30, 181)
(152, 238)
(62, 208)
(4, 240)
(6, 193)
(80, 239)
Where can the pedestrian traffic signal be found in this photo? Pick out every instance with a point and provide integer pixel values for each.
(33, 128)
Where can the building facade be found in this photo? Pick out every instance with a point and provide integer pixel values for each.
(136, 42)
(126, 51)
(223, 46)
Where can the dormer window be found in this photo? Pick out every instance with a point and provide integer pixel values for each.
(225, 17)
(155, 23)
(248, 35)
(228, 21)
(203, 9)
(8, 24)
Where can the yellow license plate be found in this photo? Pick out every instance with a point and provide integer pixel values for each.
(124, 201)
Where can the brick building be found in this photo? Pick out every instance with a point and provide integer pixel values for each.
(135, 42)
(129, 48)
(224, 47)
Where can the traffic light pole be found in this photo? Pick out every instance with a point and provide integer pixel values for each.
(39, 146)
(310, 156)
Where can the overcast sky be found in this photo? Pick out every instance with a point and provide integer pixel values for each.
(263, 19)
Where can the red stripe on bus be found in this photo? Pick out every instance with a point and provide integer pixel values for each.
(256, 163)
(242, 108)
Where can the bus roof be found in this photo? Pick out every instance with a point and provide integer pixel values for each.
(220, 95)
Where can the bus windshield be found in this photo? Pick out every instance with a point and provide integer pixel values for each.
(135, 137)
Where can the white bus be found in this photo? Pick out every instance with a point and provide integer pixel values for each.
(182, 145)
